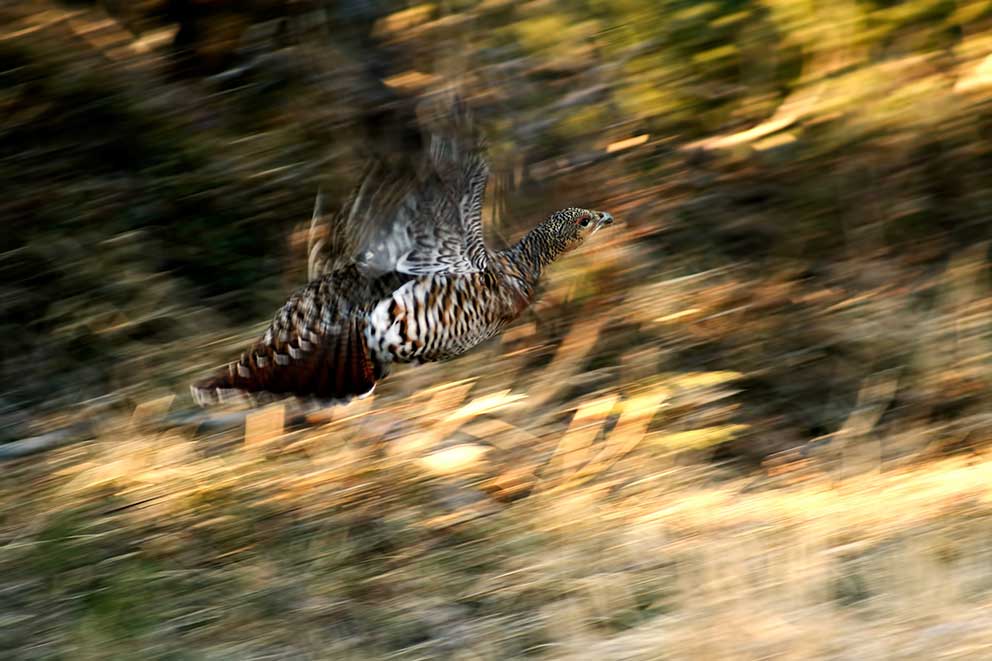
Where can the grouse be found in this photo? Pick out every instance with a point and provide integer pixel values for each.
(402, 276)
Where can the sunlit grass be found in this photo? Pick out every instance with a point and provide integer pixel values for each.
(143, 540)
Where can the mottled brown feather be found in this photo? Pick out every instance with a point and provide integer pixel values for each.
(337, 367)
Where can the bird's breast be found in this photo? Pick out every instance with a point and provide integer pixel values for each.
(441, 316)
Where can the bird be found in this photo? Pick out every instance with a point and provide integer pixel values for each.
(402, 275)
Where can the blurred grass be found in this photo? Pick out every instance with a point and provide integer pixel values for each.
(333, 543)
(750, 422)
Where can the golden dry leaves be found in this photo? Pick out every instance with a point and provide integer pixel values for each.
(572, 450)
(411, 81)
(697, 439)
(461, 459)
(405, 20)
(621, 145)
(152, 409)
(264, 426)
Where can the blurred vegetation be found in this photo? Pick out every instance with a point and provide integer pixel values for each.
(711, 440)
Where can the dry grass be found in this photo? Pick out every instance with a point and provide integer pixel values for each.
(498, 515)
(334, 544)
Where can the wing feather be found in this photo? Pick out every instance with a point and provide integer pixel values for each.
(429, 220)
(416, 217)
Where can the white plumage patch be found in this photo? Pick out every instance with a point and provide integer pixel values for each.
(421, 321)
(383, 332)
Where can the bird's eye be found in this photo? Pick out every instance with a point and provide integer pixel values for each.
(585, 221)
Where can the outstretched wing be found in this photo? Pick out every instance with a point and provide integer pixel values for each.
(339, 241)
(428, 221)
(458, 157)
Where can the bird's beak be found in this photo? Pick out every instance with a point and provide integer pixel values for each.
(603, 220)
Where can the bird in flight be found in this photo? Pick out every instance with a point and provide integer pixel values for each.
(402, 276)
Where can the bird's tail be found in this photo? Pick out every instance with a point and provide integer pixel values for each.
(334, 366)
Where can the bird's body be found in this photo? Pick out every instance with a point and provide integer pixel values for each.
(409, 280)
(441, 316)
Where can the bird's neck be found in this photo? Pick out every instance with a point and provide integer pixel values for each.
(532, 254)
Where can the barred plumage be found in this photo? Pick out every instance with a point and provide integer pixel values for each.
(403, 276)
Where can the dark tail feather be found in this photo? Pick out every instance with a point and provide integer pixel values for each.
(334, 366)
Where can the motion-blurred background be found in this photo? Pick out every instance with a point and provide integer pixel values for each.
(751, 422)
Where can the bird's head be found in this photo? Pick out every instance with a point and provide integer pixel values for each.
(572, 226)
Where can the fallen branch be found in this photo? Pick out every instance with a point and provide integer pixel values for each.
(54, 439)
